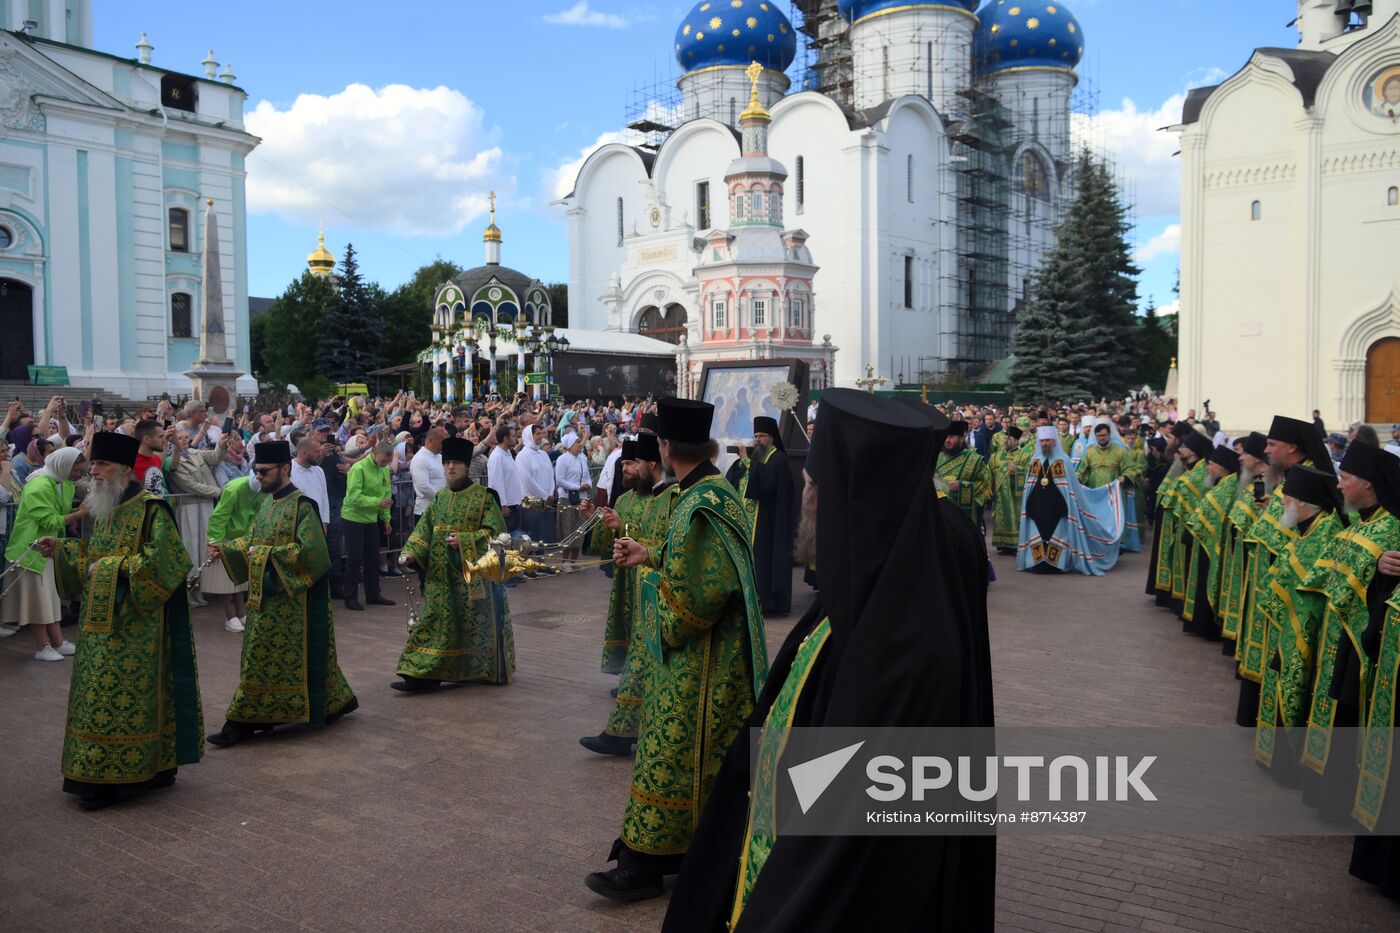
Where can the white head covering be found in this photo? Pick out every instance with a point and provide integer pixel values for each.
(529, 437)
(58, 464)
(1047, 432)
(570, 440)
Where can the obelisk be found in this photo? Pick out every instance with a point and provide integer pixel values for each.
(214, 376)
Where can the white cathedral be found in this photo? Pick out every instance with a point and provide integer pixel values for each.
(106, 164)
(1290, 259)
(913, 182)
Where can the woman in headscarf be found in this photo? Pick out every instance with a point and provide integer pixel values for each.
(31, 594)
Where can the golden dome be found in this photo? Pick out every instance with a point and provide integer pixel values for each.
(321, 261)
(493, 232)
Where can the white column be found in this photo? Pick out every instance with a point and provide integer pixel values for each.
(1190, 322)
(56, 20)
(519, 360)
(1310, 193)
(469, 375)
(437, 380)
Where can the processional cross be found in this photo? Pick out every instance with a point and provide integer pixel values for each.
(871, 382)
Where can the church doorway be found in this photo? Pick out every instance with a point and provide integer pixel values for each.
(1383, 381)
(665, 325)
(17, 324)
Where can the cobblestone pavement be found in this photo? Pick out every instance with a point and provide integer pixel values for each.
(475, 808)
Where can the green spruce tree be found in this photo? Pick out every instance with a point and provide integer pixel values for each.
(351, 331)
(1077, 332)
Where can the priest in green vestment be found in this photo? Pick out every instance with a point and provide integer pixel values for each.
(1103, 461)
(1164, 530)
(704, 630)
(462, 634)
(1187, 492)
(1206, 526)
(967, 477)
(1312, 506)
(1375, 853)
(645, 519)
(1354, 594)
(624, 513)
(288, 671)
(1290, 442)
(1008, 468)
(1243, 514)
(134, 711)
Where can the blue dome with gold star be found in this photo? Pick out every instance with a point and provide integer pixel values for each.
(853, 10)
(736, 32)
(1027, 34)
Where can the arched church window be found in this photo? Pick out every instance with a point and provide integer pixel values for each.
(758, 205)
(7, 239)
(1256, 211)
(909, 179)
(179, 219)
(619, 221)
(1392, 197)
(801, 183)
(1032, 178)
(181, 316)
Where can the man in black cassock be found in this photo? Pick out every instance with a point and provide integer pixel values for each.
(889, 654)
(767, 490)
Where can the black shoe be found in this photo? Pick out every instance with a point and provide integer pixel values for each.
(380, 601)
(620, 884)
(234, 732)
(415, 685)
(605, 744)
(353, 603)
(613, 693)
(96, 803)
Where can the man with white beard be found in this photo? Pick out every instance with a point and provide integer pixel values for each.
(134, 711)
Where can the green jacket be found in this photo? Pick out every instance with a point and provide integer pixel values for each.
(42, 505)
(366, 485)
(233, 515)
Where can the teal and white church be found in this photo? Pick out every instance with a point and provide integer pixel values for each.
(106, 163)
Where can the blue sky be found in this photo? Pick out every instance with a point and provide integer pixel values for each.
(392, 122)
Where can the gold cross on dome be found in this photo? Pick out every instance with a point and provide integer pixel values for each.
(493, 206)
(754, 72)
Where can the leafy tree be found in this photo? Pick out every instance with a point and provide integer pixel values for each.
(351, 332)
(1156, 346)
(285, 337)
(408, 311)
(559, 303)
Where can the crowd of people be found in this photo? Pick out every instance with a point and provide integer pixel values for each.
(1282, 548)
(698, 562)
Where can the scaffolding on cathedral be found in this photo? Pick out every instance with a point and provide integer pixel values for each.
(1005, 206)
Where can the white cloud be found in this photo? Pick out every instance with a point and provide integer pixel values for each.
(1166, 243)
(1142, 152)
(559, 181)
(406, 160)
(580, 14)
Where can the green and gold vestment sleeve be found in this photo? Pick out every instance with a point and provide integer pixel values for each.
(419, 544)
(69, 568)
(697, 582)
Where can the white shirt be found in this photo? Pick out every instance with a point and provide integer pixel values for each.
(312, 481)
(570, 474)
(535, 468)
(428, 478)
(501, 476)
(1393, 448)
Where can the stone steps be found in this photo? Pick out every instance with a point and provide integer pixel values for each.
(36, 397)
